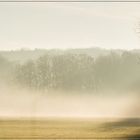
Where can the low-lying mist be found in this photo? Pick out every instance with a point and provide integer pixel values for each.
(16, 102)
(71, 83)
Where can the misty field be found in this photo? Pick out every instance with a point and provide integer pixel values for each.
(70, 128)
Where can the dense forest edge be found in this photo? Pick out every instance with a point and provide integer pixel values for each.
(91, 69)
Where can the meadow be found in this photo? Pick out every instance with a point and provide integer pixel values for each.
(70, 128)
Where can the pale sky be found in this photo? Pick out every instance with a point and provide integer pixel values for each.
(69, 25)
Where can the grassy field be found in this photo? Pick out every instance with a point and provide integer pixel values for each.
(69, 128)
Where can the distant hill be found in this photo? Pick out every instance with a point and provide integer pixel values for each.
(21, 56)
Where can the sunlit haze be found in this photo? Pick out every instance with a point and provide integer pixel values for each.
(69, 25)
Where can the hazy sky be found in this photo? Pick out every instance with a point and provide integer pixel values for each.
(69, 25)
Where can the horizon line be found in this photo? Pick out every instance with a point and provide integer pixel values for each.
(33, 49)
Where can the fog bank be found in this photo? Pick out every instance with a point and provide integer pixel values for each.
(24, 103)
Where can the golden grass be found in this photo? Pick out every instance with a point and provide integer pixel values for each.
(69, 128)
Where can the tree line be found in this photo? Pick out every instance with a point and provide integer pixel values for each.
(75, 72)
(81, 72)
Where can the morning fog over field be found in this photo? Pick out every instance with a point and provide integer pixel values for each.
(90, 82)
(69, 59)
